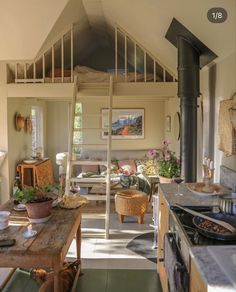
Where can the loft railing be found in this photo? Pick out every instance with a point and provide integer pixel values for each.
(136, 56)
(47, 64)
(132, 61)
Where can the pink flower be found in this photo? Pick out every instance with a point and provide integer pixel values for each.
(153, 153)
(167, 156)
(166, 143)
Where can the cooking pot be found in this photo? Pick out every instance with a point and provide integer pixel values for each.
(212, 234)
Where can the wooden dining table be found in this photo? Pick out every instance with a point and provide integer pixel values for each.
(48, 248)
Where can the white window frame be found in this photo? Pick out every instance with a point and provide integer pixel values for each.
(37, 128)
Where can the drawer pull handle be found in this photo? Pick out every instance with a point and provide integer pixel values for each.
(161, 260)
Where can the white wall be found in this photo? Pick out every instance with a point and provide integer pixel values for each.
(154, 122)
(220, 87)
(57, 130)
(171, 108)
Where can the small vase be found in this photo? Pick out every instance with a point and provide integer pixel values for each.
(165, 180)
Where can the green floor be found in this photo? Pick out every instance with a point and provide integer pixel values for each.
(119, 280)
(95, 280)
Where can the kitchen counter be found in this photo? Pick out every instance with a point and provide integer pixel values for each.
(215, 264)
(188, 198)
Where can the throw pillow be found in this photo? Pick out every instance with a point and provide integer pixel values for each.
(150, 167)
(140, 165)
(127, 164)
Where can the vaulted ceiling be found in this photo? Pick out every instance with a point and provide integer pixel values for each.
(28, 27)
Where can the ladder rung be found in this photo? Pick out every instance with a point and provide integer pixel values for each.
(85, 144)
(95, 197)
(87, 115)
(81, 129)
(88, 162)
(93, 215)
(88, 179)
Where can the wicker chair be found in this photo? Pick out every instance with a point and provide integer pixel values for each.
(131, 203)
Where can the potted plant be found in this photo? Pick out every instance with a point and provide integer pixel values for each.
(38, 201)
(168, 165)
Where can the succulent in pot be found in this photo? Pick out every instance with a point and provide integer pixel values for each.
(38, 201)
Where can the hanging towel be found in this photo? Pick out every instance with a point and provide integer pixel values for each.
(227, 134)
(178, 278)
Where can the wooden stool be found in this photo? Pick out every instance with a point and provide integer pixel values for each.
(131, 203)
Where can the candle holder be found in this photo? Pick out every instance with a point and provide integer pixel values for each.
(208, 177)
(29, 232)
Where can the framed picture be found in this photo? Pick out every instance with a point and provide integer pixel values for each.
(168, 123)
(126, 123)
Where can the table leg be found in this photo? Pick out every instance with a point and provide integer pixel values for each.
(78, 242)
(57, 287)
(151, 191)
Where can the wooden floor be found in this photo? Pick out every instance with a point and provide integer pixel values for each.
(97, 280)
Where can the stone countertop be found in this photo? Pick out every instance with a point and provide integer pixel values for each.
(216, 264)
(187, 198)
(219, 275)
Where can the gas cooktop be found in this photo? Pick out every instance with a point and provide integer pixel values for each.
(185, 222)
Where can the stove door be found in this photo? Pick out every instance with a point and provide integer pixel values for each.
(178, 277)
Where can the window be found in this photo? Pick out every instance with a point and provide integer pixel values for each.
(37, 128)
(77, 138)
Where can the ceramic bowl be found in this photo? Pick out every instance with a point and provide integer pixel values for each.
(4, 219)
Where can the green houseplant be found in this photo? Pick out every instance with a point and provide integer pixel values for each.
(38, 201)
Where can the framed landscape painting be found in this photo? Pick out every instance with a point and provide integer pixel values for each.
(126, 123)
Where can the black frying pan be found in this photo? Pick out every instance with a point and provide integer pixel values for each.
(216, 235)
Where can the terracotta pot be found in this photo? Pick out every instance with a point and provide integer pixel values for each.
(165, 180)
(39, 210)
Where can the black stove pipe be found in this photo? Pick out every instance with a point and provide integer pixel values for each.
(188, 91)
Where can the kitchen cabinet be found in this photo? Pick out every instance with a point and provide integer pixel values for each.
(196, 282)
(163, 227)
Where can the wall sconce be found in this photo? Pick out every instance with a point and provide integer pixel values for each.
(19, 122)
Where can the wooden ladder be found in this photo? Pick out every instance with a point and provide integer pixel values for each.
(74, 159)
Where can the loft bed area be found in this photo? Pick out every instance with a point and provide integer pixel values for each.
(125, 59)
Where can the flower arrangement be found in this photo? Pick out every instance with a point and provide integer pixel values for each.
(167, 163)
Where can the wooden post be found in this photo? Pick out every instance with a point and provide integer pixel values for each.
(126, 58)
(53, 64)
(43, 67)
(34, 71)
(70, 139)
(116, 48)
(145, 66)
(135, 62)
(108, 187)
(71, 54)
(62, 59)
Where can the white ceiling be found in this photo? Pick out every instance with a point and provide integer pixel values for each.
(25, 24)
(148, 20)
(28, 26)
